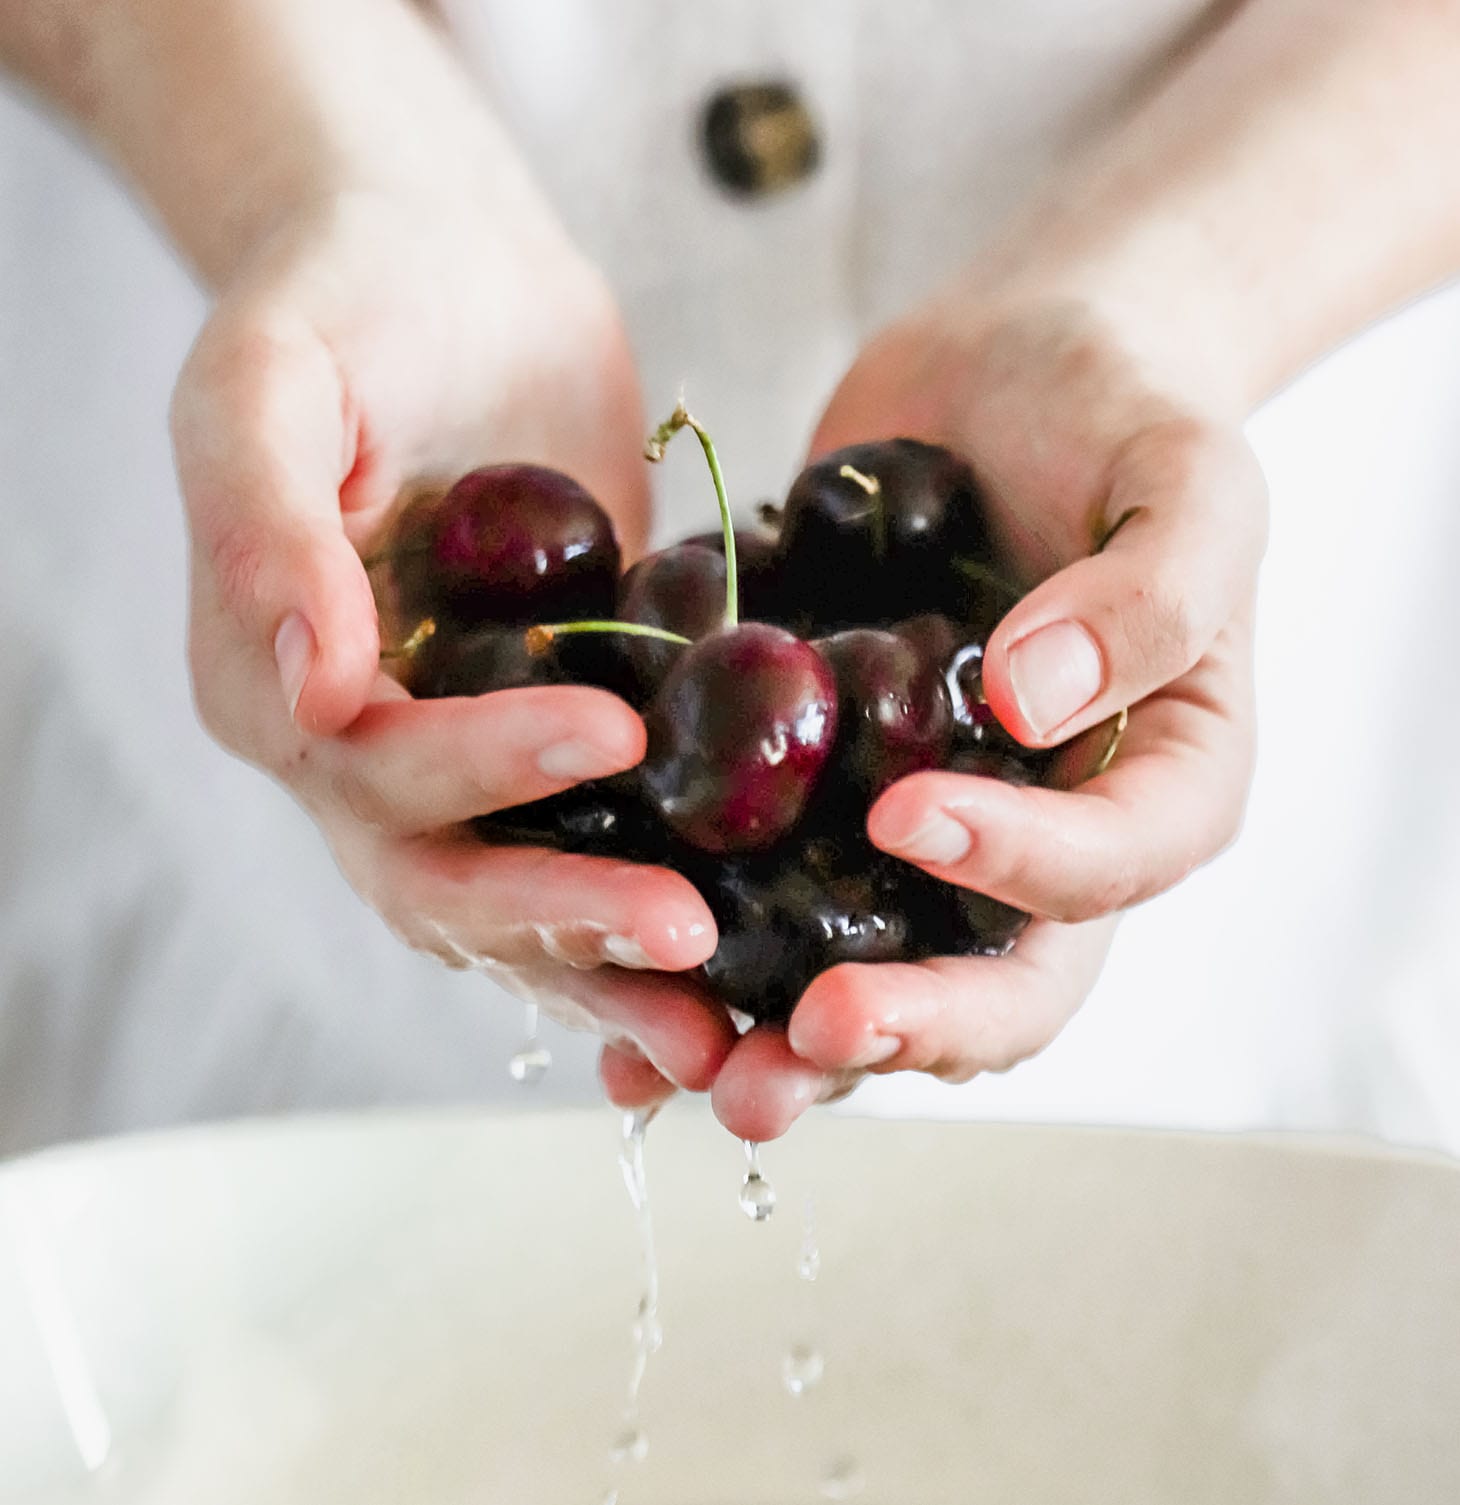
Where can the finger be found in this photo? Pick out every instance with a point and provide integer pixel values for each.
(951, 1017)
(1187, 507)
(630, 1081)
(518, 905)
(764, 1086)
(1172, 799)
(263, 447)
(408, 766)
(681, 1032)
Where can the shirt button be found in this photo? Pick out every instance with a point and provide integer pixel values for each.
(759, 138)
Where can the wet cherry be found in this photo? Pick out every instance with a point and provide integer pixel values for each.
(681, 589)
(739, 733)
(869, 533)
(762, 598)
(783, 920)
(893, 713)
(510, 544)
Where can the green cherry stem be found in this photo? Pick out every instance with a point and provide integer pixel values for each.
(540, 639)
(873, 487)
(680, 418)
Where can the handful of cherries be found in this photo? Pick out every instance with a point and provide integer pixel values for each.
(769, 739)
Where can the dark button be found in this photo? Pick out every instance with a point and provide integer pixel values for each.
(759, 138)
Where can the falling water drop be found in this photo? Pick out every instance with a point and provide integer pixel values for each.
(757, 1195)
(531, 1063)
(802, 1369)
(808, 1265)
(843, 1480)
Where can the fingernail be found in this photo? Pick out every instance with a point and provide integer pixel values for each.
(879, 1048)
(1056, 672)
(294, 653)
(940, 840)
(626, 952)
(575, 761)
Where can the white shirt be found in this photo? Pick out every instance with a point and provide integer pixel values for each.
(174, 939)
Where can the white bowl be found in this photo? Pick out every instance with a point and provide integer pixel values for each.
(436, 1309)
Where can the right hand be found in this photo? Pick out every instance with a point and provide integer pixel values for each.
(372, 342)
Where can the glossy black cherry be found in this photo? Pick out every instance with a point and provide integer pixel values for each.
(869, 533)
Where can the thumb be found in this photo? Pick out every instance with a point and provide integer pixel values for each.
(260, 434)
(1184, 526)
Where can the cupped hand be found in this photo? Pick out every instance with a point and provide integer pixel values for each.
(375, 343)
(1140, 511)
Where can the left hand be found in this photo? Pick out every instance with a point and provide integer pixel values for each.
(1142, 511)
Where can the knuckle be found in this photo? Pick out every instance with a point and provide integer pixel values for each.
(1101, 894)
(238, 555)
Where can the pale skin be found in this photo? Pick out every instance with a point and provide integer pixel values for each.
(379, 262)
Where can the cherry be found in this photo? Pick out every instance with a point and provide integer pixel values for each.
(869, 532)
(762, 598)
(784, 922)
(605, 818)
(453, 662)
(893, 712)
(739, 733)
(509, 544)
(957, 653)
(680, 588)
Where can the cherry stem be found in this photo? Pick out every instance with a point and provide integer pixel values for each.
(873, 487)
(540, 639)
(680, 418)
(1120, 721)
(409, 648)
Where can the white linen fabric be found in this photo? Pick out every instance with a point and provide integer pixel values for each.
(174, 940)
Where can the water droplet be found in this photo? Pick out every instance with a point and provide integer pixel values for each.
(757, 1198)
(802, 1369)
(843, 1480)
(610, 1498)
(529, 1066)
(630, 1446)
(808, 1266)
(757, 1195)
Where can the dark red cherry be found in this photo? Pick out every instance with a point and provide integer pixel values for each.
(869, 532)
(452, 662)
(681, 589)
(758, 561)
(957, 652)
(739, 733)
(893, 714)
(509, 544)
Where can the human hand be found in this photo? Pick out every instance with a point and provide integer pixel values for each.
(1142, 511)
(373, 342)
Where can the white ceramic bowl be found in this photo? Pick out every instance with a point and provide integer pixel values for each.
(436, 1309)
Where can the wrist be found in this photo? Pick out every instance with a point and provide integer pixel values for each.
(1152, 290)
